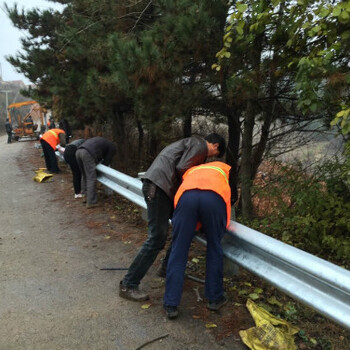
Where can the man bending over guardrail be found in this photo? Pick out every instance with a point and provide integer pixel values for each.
(203, 199)
(88, 155)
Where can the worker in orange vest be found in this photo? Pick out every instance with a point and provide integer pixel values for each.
(204, 198)
(49, 142)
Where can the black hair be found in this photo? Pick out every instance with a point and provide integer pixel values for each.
(216, 138)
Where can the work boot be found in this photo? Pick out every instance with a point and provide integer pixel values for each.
(171, 311)
(134, 294)
(216, 305)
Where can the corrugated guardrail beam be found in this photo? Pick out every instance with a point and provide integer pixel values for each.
(315, 282)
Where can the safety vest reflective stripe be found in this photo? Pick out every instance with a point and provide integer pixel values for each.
(53, 133)
(209, 167)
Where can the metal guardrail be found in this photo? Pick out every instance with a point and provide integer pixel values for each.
(315, 282)
(323, 286)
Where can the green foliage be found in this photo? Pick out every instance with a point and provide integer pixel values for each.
(312, 213)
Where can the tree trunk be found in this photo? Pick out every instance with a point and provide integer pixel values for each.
(118, 127)
(140, 141)
(187, 126)
(246, 162)
(234, 139)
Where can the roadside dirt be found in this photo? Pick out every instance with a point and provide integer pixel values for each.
(54, 294)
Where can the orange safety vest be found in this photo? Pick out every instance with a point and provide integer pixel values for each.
(213, 176)
(52, 138)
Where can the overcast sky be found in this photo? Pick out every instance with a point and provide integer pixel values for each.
(10, 36)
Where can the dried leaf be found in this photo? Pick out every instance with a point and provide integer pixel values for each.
(146, 306)
(243, 292)
(210, 325)
(254, 296)
(274, 301)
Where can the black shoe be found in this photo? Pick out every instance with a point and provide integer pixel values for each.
(216, 305)
(171, 311)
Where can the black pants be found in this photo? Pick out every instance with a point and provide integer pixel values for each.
(50, 157)
(69, 157)
(9, 137)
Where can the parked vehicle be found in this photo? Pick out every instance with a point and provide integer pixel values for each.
(27, 119)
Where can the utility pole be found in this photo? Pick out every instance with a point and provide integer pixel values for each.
(7, 98)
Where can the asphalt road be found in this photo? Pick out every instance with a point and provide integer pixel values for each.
(53, 294)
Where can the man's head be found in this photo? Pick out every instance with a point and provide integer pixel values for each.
(216, 145)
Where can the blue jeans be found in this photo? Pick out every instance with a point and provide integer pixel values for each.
(159, 211)
(210, 209)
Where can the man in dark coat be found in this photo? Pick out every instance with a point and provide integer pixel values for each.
(8, 127)
(64, 125)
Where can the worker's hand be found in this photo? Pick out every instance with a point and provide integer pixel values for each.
(232, 227)
(60, 149)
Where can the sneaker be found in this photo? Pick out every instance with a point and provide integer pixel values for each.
(171, 311)
(91, 205)
(134, 294)
(79, 195)
(216, 305)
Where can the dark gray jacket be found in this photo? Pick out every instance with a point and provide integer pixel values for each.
(100, 149)
(172, 162)
(8, 127)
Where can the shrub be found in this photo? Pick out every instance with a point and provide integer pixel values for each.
(309, 213)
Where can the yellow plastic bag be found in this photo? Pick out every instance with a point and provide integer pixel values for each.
(270, 333)
(41, 175)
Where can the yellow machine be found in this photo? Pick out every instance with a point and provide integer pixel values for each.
(27, 119)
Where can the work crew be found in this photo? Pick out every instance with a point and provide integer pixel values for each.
(160, 184)
(49, 141)
(88, 155)
(204, 198)
(8, 127)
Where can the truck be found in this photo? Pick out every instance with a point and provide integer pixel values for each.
(27, 119)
